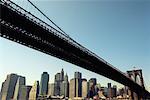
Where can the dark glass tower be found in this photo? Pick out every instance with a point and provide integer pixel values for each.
(78, 84)
(44, 83)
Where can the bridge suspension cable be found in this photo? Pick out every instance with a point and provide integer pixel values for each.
(73, 41)
(65, 36)
(64, 33)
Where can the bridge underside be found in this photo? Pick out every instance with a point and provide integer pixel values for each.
(19, 28)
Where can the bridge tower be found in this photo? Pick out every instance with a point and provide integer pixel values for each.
(136, 76)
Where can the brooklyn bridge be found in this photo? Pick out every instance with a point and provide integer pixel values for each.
(19, 25)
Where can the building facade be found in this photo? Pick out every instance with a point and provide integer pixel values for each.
(34, 92)
(51, 89)
(58, 82)
(24, 92)
(17, 92)
(44, 83)
(8, 87)
(64, 89)
(84, 88)
(75, 88)
(72, 88)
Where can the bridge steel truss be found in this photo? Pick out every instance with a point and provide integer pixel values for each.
(19, 25)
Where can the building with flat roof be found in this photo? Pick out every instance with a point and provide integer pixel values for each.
(44, 83)
(8, 87)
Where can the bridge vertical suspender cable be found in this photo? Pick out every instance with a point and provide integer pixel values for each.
(48, 18)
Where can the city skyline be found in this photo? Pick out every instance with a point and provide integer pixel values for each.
(130, 45)
(73, 88)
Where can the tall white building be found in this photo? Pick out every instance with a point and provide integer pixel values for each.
(34, 91)
(72, 88)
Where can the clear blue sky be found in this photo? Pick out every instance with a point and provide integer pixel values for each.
(116, 30)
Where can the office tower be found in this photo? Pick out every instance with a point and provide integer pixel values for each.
(105, 92)
(93, 88)
(44, 83)
(66, 86)
(62, 75)
(8, 87)
(92, 81)
(34, 91)
(109, 95)
(84, 87)
(72, 88)
(51, 89)
(66, 78)
(76, 85)
(64, 89)
(20, 82)
(77, 75)
(109, 85)
(24, 92)
(114, 91)
(57, 83)
(59, 78)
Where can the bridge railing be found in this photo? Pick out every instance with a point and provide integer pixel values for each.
(51, 29)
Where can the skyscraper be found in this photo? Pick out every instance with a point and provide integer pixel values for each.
(84, 87)
(105, 92)
(24, 92)
(20, 82)
(62, 75)
(58, 83)
(44, 83)
(111, 91)
(51, 89)
(66, 85)
(76, 85)
(92, 82)
(109, 85)
(34, 91)
(77, 75)
(64, 89)
(8, 87)
(114, 91)
(72, 88)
